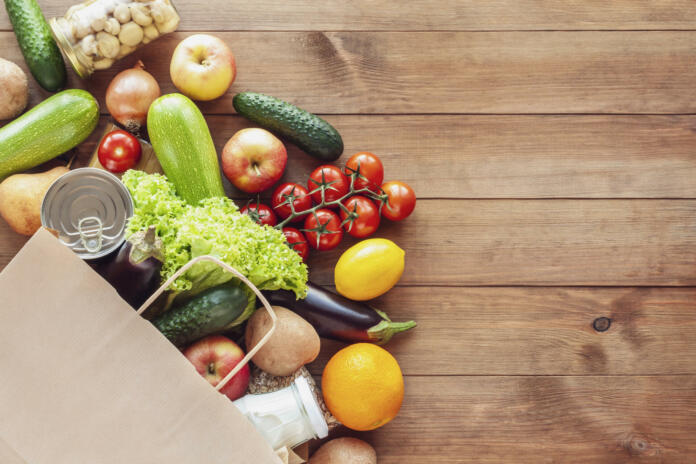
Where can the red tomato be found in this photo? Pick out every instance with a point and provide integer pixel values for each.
(401, 200)
(323, 230)
(366, 216)
(297, 241)
(302, 201)
(370, 168)
(119, 151)
(260, 213)
(328, 174)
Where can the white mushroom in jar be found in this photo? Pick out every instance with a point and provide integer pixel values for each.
(82, 28)
(140, 15)
(108, 45)
(98, 23)
(112, 26)
(122, 13)
(124, 50)
(131, 34)
(151, 32)
(162, 12)
(88, 45)
(104, 63)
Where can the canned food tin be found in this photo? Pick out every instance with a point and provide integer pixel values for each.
(88, 207)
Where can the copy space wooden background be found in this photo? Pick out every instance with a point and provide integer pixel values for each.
(552, 145)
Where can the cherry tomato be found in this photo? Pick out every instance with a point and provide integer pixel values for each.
(327, 173)
(401, 200)
(297, 241)
(119, 151)
(302, 200)
(260, 213)
(370, 168)
(326, 233)
(367, 220)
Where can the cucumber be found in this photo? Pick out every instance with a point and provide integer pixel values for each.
(36, 42)
(306, 130)
(211, 311)
(184, 147)
(51, 128)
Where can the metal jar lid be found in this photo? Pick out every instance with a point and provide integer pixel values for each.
(88, 207)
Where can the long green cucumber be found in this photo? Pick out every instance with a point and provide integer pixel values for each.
(184, 147)
(308, 131)
(37, 44)
(51, 128)
(212, 311)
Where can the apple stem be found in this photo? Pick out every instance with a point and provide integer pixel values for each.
(211, 368)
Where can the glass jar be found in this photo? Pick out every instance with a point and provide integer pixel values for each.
(287, 417)
(96, 33)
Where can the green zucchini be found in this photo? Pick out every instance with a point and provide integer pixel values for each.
(36, 42)
(184, 147)
(51, 128)
(308, 131)
(211, 311)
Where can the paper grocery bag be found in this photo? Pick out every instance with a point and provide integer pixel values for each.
(85, 380)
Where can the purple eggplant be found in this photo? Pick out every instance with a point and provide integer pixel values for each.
(135, 270)
(339, 318)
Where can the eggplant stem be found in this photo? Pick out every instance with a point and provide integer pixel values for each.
(385, 330)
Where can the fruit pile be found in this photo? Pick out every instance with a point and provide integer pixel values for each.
(185, 213)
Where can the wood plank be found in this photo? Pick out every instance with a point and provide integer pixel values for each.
(394, 15)
(542, 420)
(530, 242)
(540, 242)
(539, 331)
(393, 72)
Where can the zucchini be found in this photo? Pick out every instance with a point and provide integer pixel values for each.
(308, 131)
(36, 42)
(211, 311)
(184, 147)
(51, 128)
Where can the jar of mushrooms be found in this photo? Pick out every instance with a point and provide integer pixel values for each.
(96, 33)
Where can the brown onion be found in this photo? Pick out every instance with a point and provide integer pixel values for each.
(129, 96)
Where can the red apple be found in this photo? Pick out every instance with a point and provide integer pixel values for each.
(253, 160)
(214, 357)
(202, 67)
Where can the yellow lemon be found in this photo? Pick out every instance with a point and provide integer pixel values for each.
(369, 269)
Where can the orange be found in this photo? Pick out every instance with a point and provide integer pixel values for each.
(363, 386)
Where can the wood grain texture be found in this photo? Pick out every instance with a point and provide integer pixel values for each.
(542, 420)
(489, 72)
(539, 331)
(530, 242)
(395, 15)
(471, 157)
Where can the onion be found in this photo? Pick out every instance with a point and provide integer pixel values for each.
(129, 96)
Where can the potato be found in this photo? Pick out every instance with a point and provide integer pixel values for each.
(14, 90)
(345, 451)
(293, 344)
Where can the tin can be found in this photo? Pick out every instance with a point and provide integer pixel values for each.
(88, 208)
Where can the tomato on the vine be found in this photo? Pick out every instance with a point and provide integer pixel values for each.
(364, 215)
(370, 169)
(401, 200)
(119, 151)
(260, 214)
(302, 201)
(323, 229)
(337, 183)
(297, 241)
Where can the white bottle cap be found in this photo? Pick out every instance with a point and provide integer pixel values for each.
(314, 413)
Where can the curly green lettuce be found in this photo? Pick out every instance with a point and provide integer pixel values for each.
(214, 227)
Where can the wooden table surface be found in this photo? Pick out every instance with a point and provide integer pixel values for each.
(552, 146)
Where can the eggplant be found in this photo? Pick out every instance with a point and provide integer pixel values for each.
(339, 318)
(135, 270)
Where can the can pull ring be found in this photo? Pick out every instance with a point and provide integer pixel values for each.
(91, 229)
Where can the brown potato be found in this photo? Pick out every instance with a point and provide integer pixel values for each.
(14, 90)
(345, 451)
(293, 344)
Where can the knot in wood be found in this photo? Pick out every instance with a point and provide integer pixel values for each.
(601, 324)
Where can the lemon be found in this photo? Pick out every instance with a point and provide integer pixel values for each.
(369, 269)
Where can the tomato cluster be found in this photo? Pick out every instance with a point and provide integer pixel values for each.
(334, 202)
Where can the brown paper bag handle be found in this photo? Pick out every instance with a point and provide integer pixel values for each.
(241, 277)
